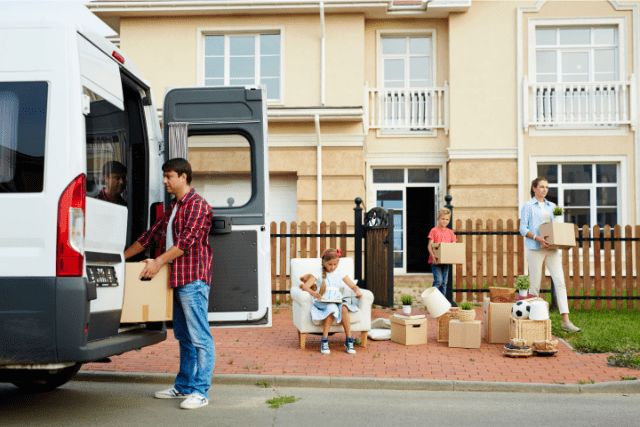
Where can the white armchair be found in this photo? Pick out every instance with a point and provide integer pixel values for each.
(302, 301)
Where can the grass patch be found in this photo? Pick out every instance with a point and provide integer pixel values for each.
(625, 360)
(276, 402)
(602, 331)
(628, 378)
(264, 384)
(250, 366)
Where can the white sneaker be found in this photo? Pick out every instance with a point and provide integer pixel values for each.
(194, 401)
(324, 347)
(170, 393)
(349, 346)
(570, 327)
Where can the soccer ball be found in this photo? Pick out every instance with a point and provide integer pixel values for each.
(521, 310)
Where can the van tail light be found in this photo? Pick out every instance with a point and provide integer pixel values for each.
(157, 209)
(70, 243)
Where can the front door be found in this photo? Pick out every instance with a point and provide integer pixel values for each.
(226, 135)
(412, 194)
(420, 220)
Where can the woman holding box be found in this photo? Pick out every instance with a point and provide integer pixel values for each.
(535, 212)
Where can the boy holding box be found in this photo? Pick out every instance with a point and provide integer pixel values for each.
(440, 234)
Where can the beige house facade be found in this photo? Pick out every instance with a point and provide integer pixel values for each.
(403, 102)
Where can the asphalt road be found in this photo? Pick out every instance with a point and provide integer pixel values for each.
(86, 403)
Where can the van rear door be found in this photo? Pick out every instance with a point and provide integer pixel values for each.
(224, 130)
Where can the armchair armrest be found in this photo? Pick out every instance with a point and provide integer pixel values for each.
(303, 298)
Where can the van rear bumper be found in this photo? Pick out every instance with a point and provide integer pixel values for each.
(117, 344)
(43, 320)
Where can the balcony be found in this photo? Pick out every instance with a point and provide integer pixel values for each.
(412, 111)
(598, 105)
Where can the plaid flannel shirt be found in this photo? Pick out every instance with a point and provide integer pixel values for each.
(190, 233)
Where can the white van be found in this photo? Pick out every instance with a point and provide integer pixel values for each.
(75, 114)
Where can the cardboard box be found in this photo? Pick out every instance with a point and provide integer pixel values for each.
(497, 316)
(408, 331)
(450, 253)
(146, 300)
(465, 334)
(561, 235)
(496, 321)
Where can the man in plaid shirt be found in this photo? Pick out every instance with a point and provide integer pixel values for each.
(185, 228)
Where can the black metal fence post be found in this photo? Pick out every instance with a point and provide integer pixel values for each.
(449, 292)
(390, 257)
(357, 247)
(554, 299)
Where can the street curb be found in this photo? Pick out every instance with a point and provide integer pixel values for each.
(614, 387)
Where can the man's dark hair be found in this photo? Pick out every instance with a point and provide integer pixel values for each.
(113, 167)
(179, 166)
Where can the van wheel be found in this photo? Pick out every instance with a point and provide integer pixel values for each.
(47, 380)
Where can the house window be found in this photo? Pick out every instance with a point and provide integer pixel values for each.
(407, 63)
(577, 73)
(244, 59)
(587, 192)
(576, 54)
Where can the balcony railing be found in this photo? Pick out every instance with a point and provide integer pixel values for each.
(407, 109)
(579, 105)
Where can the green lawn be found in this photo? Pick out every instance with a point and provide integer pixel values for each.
(603, 331)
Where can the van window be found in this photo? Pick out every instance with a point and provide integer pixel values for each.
(106, 130)
(228, 158)
(23, 119)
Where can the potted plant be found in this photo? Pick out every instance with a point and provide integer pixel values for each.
(558, 214)
(522, 285)
(466, 313)
(406, 303)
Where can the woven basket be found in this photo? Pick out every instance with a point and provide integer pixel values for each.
(443, 324)
(530, 330)
(525, 352)
(467, 315)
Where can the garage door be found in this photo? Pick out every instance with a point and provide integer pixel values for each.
(283, 200)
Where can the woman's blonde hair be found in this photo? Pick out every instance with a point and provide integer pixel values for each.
(535, 183)
(443, 211)
(328, 255)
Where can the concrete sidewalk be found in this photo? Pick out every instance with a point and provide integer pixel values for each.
(273, 354)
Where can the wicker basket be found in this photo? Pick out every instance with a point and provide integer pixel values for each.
(530, 330)
(443, 324)
(467, 315)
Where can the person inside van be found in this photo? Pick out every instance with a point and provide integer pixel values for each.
(115, 177)
(186, 224)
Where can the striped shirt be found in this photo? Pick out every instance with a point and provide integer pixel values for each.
(190, 230)
(531, 219)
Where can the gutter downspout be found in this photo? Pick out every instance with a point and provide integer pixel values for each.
(322, 59)
(319, 177)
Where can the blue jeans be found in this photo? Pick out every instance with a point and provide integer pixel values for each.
(191, 329)
(440, 277)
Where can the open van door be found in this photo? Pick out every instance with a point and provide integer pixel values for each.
(226, 130)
